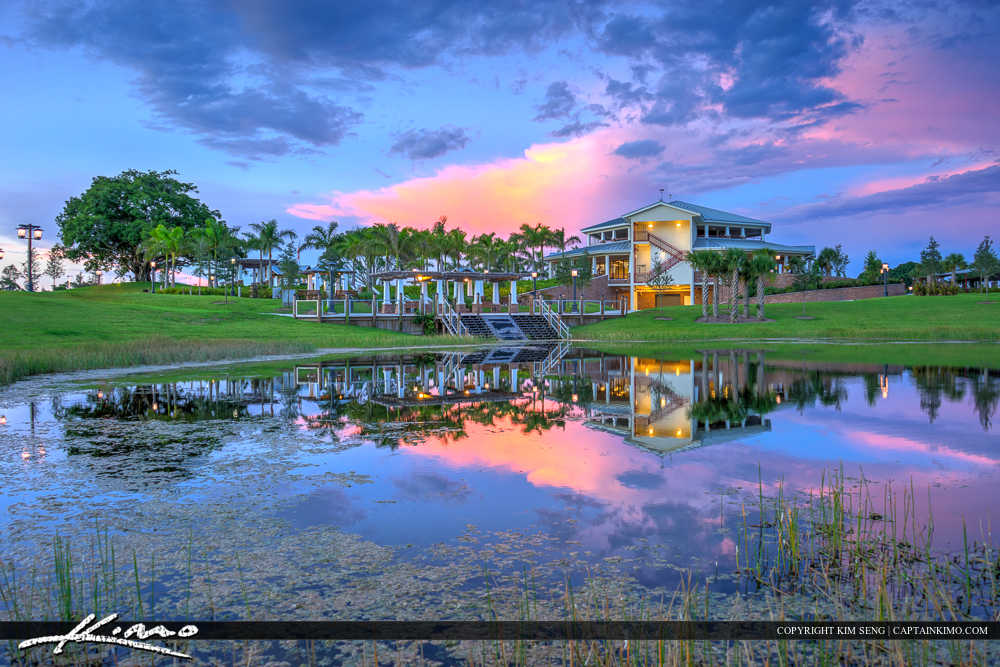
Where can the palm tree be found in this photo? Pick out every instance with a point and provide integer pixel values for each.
(702, 261)
(953, 263)
(560, 240)
(217, 236)
(826, 260)
(733, 260)
(762, 267)
(320, 238)
(269, 238)
(535, 237)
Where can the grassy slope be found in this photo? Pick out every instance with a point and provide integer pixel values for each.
(932, 318)
(121, 325)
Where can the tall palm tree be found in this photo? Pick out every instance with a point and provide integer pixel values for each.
(762, 265)
(269, 238)
(826, 260)
(702, 261)
(953, 263)
(733, 260)
(319, 238)
(537, 236)
(561, 241)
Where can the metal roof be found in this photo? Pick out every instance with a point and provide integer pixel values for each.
(706, 214)
(610, 248)
(715, 215)
(617, 222)
(751, 244)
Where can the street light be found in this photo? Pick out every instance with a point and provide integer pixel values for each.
(29, 232)
(534, 282)
(152, 277)
(98, 273)
(885, 279)
(232, 276)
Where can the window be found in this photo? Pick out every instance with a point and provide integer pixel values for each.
(621, 233)
(619, 268)
(600, 267)
(753, 233)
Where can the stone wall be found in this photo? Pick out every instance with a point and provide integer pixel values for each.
(836, 294)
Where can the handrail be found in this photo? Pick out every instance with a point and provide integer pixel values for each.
(555, 355)
(452, 320)
(553, 319)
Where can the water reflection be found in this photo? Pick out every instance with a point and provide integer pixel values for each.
(600, 449)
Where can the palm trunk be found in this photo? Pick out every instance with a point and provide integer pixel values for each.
(746, 298)
(715, 297)
(704, 296)
(760, 297)
(734, 286)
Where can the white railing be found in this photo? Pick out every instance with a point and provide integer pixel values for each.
(295, 307)
(552, 318)
(452, 320)
(545, 366)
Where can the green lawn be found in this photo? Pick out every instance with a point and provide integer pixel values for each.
(966, 317)
(120, 325)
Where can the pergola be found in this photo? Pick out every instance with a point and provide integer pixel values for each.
(460, 279)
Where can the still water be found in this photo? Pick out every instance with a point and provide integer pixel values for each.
(384, 487)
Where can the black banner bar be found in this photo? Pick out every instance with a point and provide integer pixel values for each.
(529, 630)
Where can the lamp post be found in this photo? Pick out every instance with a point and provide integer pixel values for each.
(885, 279)
(30, 232)
(152, 277)
(534, 283)
(98, 273)
(232, 276)
(574, 273)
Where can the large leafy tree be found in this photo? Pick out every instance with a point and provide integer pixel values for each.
(105, 226)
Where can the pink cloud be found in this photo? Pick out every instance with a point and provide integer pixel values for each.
(563, 184)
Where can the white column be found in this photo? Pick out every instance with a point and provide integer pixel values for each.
(496, 293)
(440, 291)
(460, 297)
(399, 293)
(423, 292)
(513, 291)
(477, 292)
(513, 380)
(496, 377)
(385, 293)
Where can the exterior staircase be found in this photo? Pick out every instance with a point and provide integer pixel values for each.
(509, 327)
(535, 327)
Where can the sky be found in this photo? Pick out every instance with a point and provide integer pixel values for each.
(870, 124)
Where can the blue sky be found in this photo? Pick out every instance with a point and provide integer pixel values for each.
(863, 123)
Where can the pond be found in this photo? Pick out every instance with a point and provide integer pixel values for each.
(461, 484)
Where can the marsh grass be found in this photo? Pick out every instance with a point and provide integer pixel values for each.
(849, 549)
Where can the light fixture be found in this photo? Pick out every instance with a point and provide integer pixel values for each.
(232, 261)
(678, 224)
(650, 430)
(37, 234)
(153, 264)
(3, 420)
(777, 256)
(574, 273)
(679, 432)
(885, 268)
(156, 406)
(534, 274)
(22, 233)
(1, 253)
(575, 398)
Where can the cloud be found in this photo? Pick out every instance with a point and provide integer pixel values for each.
(567, 183)
(641, 148)
(746, 59)
(559, 102)
(934, 191)
(244, 77)
(425, 144)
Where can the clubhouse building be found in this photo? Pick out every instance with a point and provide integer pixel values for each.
(629, 254)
